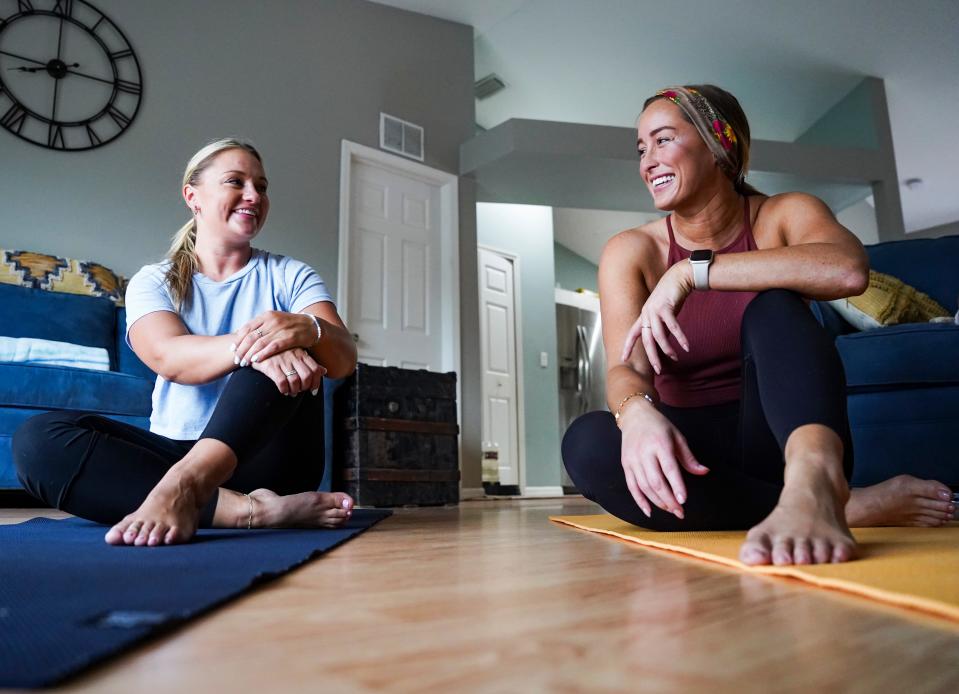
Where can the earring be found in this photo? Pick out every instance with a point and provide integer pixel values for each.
(196, 210)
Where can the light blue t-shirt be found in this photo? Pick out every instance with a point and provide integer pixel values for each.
(268, 282)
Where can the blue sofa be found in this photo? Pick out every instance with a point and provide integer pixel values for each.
(123, 393)
(903, 380)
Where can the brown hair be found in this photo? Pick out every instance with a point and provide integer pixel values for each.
(182, 253)
(728, 107)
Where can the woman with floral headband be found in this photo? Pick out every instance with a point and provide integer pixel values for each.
(728, 405)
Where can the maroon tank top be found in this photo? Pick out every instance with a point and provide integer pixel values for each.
(710, 373)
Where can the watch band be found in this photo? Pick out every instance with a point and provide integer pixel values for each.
(700, 274)
(700, 262)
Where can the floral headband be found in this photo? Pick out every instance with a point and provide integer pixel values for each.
(712, 126)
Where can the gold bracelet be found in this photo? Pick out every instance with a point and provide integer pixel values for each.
(622, 403)
(249, 520)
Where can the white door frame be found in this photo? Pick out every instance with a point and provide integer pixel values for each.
(518, 358)
(350, 153)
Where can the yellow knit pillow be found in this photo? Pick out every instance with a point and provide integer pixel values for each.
(888, 301)
(56, 274)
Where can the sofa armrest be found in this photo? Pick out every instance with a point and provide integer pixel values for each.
(830, 319)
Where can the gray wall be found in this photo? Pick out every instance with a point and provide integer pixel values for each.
(296, 77)
(527, 232)
(573, 271)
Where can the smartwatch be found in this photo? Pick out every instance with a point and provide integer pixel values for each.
(700, 260)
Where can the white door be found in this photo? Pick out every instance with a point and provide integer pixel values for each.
(394, 303)
(498, 360)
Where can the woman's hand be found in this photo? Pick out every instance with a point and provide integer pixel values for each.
(659, 315)
(271, 333)
(293, 371)
(653, 454)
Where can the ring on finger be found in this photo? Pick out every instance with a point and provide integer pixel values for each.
(259, 333)
(290, 373)
(645, 326)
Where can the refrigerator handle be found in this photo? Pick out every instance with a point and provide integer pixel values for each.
(579, 361)
(589, 365)
(582, 375)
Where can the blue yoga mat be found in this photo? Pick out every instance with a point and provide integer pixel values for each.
(68, 600)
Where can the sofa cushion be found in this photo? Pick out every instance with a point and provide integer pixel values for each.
(127, 360)
(901, 355)
(80, 320)
(65, 388)
(929, 265)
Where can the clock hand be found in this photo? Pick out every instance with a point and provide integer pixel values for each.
(89, 77)
(36, 69)
(23, 57)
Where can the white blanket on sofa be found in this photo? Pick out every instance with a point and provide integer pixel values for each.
(30, 350)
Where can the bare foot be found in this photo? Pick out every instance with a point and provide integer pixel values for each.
(902, 500)
(806, 527)
(169, 515)
(304, 510)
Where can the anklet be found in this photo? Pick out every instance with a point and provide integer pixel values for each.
(249, 520)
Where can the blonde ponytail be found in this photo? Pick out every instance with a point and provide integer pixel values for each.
(182, 253)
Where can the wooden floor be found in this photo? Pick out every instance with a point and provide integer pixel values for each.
(492, 597)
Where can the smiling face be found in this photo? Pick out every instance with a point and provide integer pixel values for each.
(675, 163)
(231, 197)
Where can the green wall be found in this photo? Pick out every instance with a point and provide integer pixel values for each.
(573, 271)
(527, 232)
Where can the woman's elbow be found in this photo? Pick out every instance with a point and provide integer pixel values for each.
(856, 278)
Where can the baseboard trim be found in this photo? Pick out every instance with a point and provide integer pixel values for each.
(556, 490)
(467, 493)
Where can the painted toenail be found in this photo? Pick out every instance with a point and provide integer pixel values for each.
(947, 495)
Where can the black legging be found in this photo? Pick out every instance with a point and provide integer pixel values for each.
(792, 376)
(102, 470)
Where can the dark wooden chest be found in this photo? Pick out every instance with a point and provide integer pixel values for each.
(395, 437)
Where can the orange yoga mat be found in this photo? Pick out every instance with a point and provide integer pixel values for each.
(911, 567)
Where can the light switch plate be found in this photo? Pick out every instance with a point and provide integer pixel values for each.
(544, 359)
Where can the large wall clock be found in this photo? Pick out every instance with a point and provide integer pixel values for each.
(69, 79)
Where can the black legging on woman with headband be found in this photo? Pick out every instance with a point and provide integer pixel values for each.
(791, 375)
(102, 470)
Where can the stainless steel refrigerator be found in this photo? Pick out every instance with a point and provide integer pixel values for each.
(582, 368)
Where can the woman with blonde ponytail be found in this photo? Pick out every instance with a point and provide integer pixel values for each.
(240, 340)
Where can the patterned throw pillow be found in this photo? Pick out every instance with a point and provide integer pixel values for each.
(56, 274)
(888, 301)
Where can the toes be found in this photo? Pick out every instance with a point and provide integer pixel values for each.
(172, 536)
(783, 551)
(843, 551)
(755, 551)
(821, 552)
(926, 520)
(802, 554)
(114, 535)
(144, 534)
(344, 501)
(157, 534)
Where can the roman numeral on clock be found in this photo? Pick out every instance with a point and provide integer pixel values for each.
(14, 118)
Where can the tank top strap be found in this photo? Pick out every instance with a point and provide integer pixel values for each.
(675, 253)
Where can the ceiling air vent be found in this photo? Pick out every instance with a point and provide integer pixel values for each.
(487, 86)
(401, 137)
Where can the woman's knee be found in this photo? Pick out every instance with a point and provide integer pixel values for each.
(771, 303)
(590, 435)
(34, 448)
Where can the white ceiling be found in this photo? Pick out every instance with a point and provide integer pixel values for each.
(595, 61)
